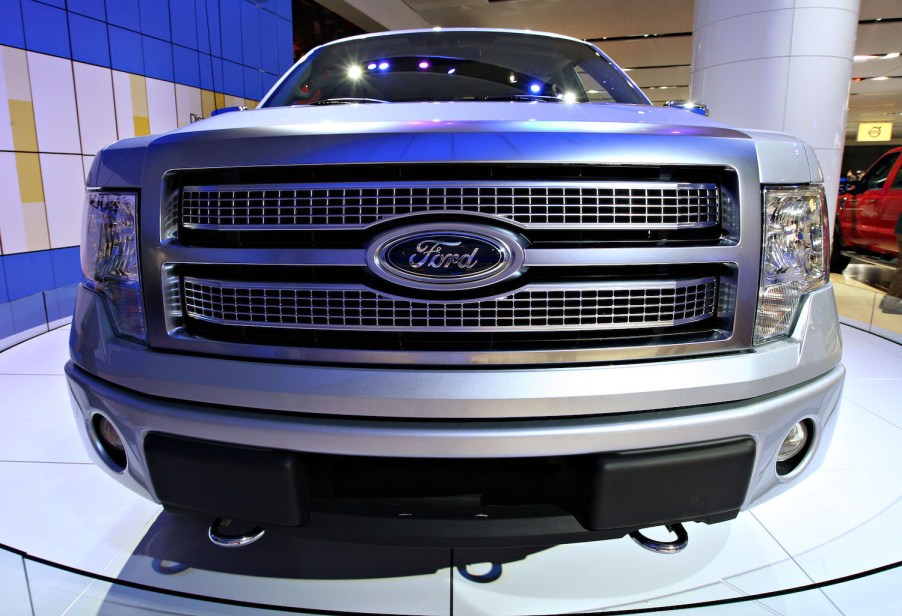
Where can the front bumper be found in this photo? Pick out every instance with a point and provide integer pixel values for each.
(763, 422)
(489, 417)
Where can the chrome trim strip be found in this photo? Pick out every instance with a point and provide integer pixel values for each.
(326, 206)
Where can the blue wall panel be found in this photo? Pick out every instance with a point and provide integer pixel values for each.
(218, 80)
(183, 19)
(28, 312)
(230, 23)
(205, 65)
(283, 9)
(109, 33)
(268, 81)
(12, 32)
(157, 58)
(286, 46)
(60, 303)
(66, 266)
(155, 18)
(90, 42)
(7, 328)
(250, 35)
(28, 273)
(203, 26)
(269, 42)
(215, 30)
(90, 8)
(4, 296)
(253, 82)
(46, 28)
(124, 13)
(232, 76)
(187, 67)
(126, 52)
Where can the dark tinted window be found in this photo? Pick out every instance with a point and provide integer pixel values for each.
(876, 175)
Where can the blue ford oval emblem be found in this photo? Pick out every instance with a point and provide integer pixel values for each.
(451, 257)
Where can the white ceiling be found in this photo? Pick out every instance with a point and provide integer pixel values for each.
(660, 62)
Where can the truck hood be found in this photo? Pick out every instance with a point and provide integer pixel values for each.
(451, 132)
(468, 116)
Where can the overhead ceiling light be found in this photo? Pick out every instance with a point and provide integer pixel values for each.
(876, 56)
(880, 78)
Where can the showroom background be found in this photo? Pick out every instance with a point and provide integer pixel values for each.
(75, 76)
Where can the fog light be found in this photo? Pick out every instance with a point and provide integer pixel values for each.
(794, 447)
(110, 442)
(793, 443)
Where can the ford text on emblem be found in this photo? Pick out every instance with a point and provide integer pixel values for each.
(447, 256)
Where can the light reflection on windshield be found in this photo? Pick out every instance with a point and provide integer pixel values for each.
(455, 65)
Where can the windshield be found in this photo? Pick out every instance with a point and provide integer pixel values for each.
(448, 65)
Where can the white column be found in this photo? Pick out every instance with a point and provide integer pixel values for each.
(781, 65)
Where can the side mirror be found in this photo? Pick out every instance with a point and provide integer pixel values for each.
(698, 108)
(217, 112)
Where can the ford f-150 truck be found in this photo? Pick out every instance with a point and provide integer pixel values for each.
(867, 214)
(457, 288)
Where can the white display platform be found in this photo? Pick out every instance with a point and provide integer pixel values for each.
(63, 520)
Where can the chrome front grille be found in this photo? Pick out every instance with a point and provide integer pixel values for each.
(574, 306)
(549, 205)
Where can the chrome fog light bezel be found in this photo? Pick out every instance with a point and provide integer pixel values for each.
(115, 460)
(789, 466)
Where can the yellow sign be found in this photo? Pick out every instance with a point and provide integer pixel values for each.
(875, 131)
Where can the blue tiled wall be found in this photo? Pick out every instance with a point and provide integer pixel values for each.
(153, 37)
(236, 47)
(36, 289)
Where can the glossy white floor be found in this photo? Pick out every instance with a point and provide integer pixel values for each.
(59, 508)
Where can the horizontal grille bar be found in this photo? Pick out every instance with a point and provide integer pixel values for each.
(573, 306)
(548, 205)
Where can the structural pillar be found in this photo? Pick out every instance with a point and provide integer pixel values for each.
(782, 65)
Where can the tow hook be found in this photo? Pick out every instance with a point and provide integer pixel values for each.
(664, 547)
(219, 538)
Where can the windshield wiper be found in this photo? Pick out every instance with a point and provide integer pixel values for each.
(521, 97)
(346, 101)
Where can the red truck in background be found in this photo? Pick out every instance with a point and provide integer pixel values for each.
(867, 213)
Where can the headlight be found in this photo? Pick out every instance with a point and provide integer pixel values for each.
(109, 258)
(795, 256)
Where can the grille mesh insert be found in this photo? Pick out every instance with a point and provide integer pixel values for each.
(636, 205)
(549, 307)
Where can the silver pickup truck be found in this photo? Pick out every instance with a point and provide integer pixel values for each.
(456, 288)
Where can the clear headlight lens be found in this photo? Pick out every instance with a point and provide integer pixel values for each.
(795, 256)
(109, 258)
